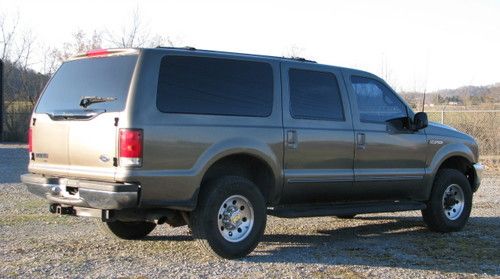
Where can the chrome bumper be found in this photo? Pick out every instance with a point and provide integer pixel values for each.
(478, 172)
(101, 195)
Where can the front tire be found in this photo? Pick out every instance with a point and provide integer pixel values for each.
(451, 202)
(230, 218)
(126, 230)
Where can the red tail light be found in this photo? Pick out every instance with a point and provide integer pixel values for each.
(30, 140)
(130, 147)
(97, 52)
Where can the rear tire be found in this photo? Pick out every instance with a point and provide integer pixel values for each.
(450, 203)
(346, 216)
(126, 230)
(230, 218)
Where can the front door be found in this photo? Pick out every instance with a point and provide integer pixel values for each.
(319, 139)
(389, 163)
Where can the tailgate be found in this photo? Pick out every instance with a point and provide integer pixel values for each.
(92, 147)
(83, 149)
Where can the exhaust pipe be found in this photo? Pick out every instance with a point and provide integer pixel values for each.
(52, 208)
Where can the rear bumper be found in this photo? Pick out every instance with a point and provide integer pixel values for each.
(91, 194)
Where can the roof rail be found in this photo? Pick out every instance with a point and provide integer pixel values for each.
(171, 47)
(301, 59)
(294, 58)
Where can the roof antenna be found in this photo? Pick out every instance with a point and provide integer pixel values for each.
(423, 102)
(426, 76)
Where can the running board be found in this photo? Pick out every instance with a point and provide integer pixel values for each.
(293, 211)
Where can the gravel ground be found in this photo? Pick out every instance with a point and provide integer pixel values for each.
(35, 243)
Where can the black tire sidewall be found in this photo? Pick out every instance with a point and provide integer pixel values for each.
(129, 230)
(351, 216)
(444, 179)
(220, 190)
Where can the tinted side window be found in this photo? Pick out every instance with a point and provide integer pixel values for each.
(376, 102)
(204, 85)
(315, 95)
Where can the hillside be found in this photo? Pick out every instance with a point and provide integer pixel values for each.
(484, 97)
(490, 90)
(22, 84)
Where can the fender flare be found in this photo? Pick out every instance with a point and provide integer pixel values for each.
(444, 153)
(235, 146)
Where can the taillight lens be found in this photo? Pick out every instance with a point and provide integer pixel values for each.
(30, 140)
(97, 52)
(130, 151)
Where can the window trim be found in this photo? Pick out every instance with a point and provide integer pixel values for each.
(273, 80)
(388, 89)
(290, 107)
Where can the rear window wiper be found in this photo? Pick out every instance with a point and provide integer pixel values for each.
(87, 101)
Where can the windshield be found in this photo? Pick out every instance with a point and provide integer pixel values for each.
(107, 77)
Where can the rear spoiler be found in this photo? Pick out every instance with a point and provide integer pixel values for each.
(104, 53)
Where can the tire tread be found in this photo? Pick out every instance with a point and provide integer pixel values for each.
(122, 230)
(208, 193)
(432, 215)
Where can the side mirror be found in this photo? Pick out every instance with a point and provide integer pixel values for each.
(420, 121)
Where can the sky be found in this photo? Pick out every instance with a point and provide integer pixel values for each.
(414, 45)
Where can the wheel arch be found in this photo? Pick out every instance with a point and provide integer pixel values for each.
(461, 164)
(253, 160)
(453, 156)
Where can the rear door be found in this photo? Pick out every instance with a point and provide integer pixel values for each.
(81, 141)
(319, 139)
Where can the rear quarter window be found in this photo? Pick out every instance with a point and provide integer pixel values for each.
(203, 85)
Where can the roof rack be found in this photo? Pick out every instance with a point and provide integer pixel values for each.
(185, 47)
(294, 58)
(302, 59)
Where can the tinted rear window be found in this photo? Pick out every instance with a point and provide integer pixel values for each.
(202, 85)
(315, 95)
(101, 77)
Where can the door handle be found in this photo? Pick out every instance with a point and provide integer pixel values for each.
(361, 141)
(291, 138)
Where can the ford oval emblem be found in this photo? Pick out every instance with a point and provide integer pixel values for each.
(103, 158)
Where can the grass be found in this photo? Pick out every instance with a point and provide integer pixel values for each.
(445, 249)
(483, 126)
(19, 219)
(19, 107)
(33, 204)
(337, 272)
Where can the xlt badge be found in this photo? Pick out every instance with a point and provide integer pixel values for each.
(41, 155)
